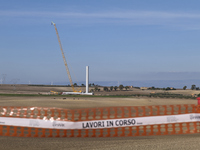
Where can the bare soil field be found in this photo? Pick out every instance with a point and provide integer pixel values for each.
(88, 102)
(151, 142)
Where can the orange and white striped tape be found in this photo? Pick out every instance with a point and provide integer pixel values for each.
(99, 122)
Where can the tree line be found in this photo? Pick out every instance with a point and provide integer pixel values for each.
(111, 88)
(120, 87)
(193, 87)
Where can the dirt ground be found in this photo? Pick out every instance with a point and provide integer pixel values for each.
(172, 142)
(151, 142)
(88, 102)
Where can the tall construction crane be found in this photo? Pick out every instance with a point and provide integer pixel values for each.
(64, 59)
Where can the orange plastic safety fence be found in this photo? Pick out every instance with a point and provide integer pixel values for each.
(96, 114)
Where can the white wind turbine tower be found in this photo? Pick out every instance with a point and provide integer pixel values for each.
(4, 78)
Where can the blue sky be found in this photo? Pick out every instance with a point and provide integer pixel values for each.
(121, 40)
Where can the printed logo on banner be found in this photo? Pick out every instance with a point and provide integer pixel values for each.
(2, 122)
(34, 123)
(172, 119)
(57, 124)
(194, 117)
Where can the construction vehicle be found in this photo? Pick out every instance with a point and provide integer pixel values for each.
(64, 59)
(54, 93)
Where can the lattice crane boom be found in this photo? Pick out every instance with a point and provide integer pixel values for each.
(64, 59)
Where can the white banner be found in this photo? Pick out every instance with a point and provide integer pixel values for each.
(99, 124)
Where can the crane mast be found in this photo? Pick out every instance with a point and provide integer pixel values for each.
(64, 59)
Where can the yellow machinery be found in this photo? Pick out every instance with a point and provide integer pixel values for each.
(54, 93)
(64, 59)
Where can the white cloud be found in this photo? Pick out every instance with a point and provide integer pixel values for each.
(175, 19)
(119, 15)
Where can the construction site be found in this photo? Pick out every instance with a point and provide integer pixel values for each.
(74, 117)
(77, 91)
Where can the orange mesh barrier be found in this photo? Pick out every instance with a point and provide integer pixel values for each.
(99, 122)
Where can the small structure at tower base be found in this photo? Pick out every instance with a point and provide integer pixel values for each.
(76, 93)
(86, 89)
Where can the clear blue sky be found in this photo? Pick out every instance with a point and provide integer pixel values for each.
(121, 40)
